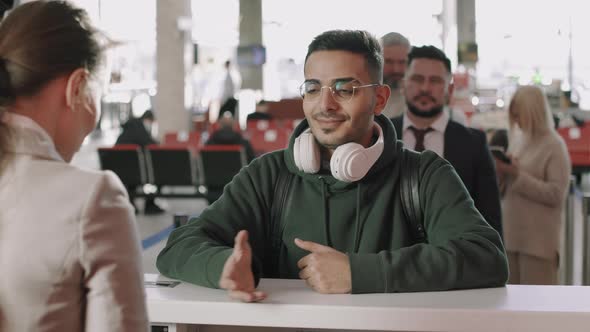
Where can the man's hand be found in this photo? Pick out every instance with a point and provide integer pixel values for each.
(237, 276)
(325, 269)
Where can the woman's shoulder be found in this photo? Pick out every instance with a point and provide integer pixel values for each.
(77, 184)
(555, 142)
(78, 177)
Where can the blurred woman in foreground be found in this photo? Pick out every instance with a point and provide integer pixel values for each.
(69, 251)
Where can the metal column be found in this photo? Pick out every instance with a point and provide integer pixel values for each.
(568, 259)
(586, 241)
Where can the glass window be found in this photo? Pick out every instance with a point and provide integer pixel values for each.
(534, 48)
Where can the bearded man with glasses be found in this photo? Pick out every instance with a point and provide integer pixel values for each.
(339, 225)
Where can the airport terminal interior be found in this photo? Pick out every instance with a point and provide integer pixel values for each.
(266, 42)
(186, 69)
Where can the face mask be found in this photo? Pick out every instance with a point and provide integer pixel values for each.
(148, 126)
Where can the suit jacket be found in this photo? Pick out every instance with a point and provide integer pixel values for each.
(467, 150)
(69, 250)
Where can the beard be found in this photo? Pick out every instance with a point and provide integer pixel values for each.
(431, 113)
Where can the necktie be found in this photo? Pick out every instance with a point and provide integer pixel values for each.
(419, 134)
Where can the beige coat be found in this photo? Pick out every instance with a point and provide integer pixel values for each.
(69, 250)
(533, 202)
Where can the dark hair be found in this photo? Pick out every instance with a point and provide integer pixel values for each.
(39, 41)
(429, 52)
(4, 6)
(148, 115)
(355, 41)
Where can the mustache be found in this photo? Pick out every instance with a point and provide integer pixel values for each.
(328, 116)
(427, 95)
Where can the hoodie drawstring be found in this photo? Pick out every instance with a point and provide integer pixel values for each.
(326, 218)
(358, 226)
(357, 232)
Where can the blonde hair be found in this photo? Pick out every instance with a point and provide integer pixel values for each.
(529, 103)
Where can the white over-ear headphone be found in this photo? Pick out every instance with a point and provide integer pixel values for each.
(350, 162)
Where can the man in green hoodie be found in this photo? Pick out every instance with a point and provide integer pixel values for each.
(342, 228)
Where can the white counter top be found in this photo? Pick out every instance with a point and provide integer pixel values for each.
(291, 304)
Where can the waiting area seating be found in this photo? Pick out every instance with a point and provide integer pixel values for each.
(219, 164)
(125, 160)
(180, 139)
(182, 166)
(176, 171)
(171, 165)
(577, 140)
(286, 109)
(268, 140)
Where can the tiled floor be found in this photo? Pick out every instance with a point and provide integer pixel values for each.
(147, 225)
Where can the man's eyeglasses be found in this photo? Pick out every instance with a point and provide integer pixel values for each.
(342, 91)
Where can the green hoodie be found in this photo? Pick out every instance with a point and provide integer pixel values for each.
(363, 219)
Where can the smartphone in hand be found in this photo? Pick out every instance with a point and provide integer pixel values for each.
(498, 153)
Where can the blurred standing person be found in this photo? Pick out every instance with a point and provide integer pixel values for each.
(205, 89)
(395, 62)
(231, 86)
(83, 269)
(534, 184)
(426, 126)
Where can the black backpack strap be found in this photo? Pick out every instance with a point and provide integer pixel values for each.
(410, 194)
(281, 195)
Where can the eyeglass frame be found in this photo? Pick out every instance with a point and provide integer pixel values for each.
(333, 93)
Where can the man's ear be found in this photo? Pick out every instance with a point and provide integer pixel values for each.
(76, 86)
(382, 94)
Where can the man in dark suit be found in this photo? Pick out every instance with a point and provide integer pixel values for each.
(426, 125)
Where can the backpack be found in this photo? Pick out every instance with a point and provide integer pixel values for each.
(410, 196)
